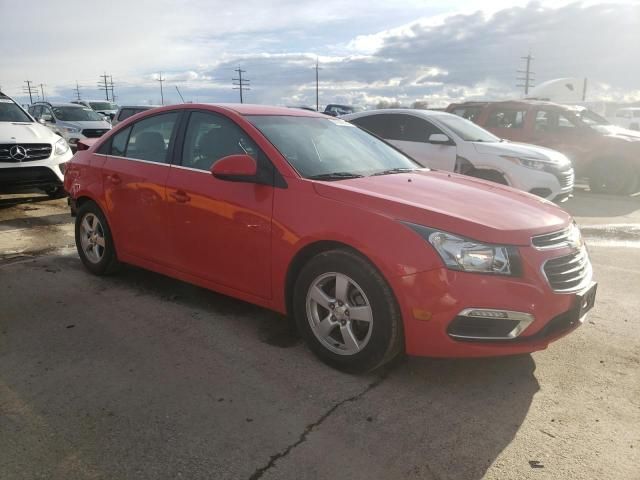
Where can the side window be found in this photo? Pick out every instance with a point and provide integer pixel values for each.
(376, 124)
(552, 121)
(150, 138)
(36, 111)
(126, 113)
(470, 113)
(506, 118)
(565, 122)
(119, 143)
(407, 128)
(210, 137)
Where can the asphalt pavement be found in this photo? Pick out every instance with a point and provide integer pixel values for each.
(138, 376)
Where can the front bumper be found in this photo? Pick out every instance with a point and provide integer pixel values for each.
(431, 301)
(553, 184)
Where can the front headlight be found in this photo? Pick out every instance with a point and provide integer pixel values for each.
(528, 162)
(61, 147)
(70, 129)
(460, 253)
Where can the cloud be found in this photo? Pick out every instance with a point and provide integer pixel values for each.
(367, 52)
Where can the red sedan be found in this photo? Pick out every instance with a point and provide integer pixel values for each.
(312, 217)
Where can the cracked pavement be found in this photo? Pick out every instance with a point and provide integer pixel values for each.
(141, 376)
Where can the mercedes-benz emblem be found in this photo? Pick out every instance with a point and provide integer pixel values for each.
(18, 152)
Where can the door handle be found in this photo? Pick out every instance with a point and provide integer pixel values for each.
(115, 179)
(180, 196)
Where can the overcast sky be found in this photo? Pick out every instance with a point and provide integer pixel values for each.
(368, 50)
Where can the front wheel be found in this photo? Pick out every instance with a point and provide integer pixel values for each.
(93, 240)
(615, 177)
(347, 313)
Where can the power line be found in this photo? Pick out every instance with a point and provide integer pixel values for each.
(103, 85)
(160, 79)
(240, 83)
(77, 90)
(528, 75)
(30, 90)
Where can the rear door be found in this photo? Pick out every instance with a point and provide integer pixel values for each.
(219, 230)
(134, 176)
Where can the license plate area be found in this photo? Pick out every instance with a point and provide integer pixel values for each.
(585, 301)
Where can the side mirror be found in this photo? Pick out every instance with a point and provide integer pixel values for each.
(41, 120)
(439, 139)
(47, 118)
(235, 168)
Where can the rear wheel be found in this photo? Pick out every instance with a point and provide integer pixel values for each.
(93, 240)
(490, 175)
(615, 177)
(346, 312)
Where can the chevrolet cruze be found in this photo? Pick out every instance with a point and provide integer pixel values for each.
(313, 217)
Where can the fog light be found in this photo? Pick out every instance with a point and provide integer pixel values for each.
(488, 324)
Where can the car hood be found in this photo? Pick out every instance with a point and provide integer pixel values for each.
(458, 204)
(31, 132)
(95, 124)
(524, 150)
(619, 132)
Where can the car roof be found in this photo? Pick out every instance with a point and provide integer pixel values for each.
(526, 101)
(60, 104)
(139, 106)
(252, 109)
(407, 111)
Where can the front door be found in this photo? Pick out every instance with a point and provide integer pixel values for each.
(219, 231)
(134, 176)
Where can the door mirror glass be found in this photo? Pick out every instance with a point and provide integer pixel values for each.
(41, 120)
(46, 117)
(439, 138)
(235, 168)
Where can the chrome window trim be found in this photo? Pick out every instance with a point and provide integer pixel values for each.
(524, 319)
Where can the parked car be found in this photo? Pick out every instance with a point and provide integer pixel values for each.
(313, 217)
(70, 121)
(31, 155)
(105, 108)
(627, 118)
(127, 111)
(447, 142)
(607, 155)
(336, 110)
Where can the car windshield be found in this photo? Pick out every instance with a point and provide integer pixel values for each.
(76, 114)
(330, 148)
(103, 106)
(10, 112)
(468, 131)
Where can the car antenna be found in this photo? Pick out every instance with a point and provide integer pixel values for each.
(179, 93)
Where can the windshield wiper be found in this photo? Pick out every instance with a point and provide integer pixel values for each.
(394, 170)
(335, 176)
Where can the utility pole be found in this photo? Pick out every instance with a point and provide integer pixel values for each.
(178, 90)
(241, 83)
(160, 79)
(584, 90)
(30, 90)
(528, 75)
(113, 95)
(317, 96)
(42, 91)
(103, 85)
(77, 90)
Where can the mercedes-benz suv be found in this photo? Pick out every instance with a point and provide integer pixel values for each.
(31, 155)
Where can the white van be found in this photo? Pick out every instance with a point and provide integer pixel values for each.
(444, 141)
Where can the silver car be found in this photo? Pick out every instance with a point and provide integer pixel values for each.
(72, 122)
(104, 107)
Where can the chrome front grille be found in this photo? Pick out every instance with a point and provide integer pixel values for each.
(568, 273)
(566, 178)
(552, 240)
(26, 152)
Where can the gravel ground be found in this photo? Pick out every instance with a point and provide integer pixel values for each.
(141, 376)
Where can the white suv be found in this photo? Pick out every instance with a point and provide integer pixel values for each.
(447, 142)
(31, 155)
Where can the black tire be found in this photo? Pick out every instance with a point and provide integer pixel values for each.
(109, 260)
(613, 176)
(490, 175)
(386, 339)
(56, 192)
